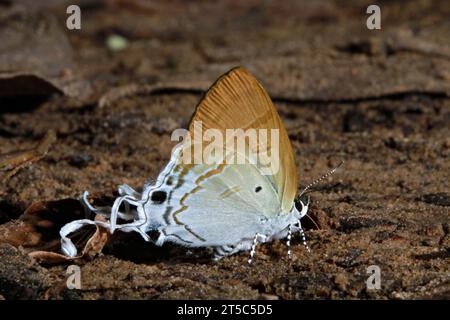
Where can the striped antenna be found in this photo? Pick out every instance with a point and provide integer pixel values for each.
(326, 175)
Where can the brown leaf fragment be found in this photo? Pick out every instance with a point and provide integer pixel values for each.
(11, 162)
(92, 248)
(98, 240)
(38, 230)
(35, 56)
(115, 94)
(38, 227)
(404, 40)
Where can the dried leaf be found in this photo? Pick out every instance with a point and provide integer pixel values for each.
(115, 94)
(96, 243)
(11, 162)
(38, 229)
(92, 248)
(36, 57)
(48, 257)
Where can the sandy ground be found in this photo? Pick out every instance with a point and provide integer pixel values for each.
(378, 100)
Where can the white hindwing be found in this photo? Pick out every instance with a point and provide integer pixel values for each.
(212, 205)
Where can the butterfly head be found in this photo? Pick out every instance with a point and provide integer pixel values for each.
(301, 206)
(301, 202)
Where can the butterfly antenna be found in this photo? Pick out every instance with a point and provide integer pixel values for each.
(326, 175)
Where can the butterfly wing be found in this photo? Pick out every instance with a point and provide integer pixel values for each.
(238, 101)
(220, 203)
(211, 205)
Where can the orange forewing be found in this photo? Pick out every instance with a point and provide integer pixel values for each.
(238, 101)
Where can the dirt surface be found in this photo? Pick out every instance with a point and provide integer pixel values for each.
(379, 100)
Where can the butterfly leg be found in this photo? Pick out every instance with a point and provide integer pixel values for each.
(288, 242)
(302, 234)
(253, 249)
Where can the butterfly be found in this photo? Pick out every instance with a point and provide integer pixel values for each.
(217, 203)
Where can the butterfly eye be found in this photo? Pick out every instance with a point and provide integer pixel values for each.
(159, 196)
(258, 189)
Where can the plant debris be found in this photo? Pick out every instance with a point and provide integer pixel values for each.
(11, 162)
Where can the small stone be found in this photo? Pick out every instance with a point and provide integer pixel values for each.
(116, 42)
(266, 296)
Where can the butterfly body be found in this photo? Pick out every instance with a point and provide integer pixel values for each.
(216, 202)
(226, 237)
(210, 218)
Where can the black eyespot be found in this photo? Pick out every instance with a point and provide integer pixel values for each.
(258, 189)
(169, 181)
(159, 196)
